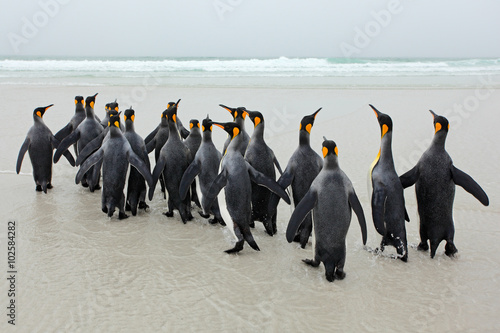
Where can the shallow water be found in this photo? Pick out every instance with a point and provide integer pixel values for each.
(78, 270)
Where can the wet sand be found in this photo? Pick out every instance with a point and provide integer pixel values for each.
(78, 270)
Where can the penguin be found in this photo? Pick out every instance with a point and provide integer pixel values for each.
(136, 189)
(388, 203)
(262, 158)
(40, 142)
(235, 177)
(331, 198)
(158, 137)
(304, 165)
(77, 118)
(435, 178)
(172, 163)
(193, 142)
(115, 154)
(88, 130)
(239, 116)
(205, 165)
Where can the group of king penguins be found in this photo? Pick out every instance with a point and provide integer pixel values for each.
(323, 195)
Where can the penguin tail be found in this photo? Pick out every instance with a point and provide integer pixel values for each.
(44, 187)
(249, 238)
(111, 209)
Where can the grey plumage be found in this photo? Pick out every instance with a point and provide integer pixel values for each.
(77, 118)
(239, 116)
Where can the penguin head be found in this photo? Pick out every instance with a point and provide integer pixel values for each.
(114, 119)
(40, 111)
(384, 121)
(231, 128)
(129, 115)
(441, 124)
(90, 101)
(79, 100)
(256, 117)
(329, 148)
(239, 112)
(171, 112)
(194, 123)
(112, 106)
(308, 121)
(206, 124)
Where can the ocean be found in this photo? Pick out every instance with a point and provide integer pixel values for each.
(79, 271)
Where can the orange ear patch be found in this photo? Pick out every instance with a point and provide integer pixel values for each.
(308, 128)
(438, 127)
(325, 152)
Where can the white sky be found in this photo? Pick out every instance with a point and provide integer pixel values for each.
(251, 28)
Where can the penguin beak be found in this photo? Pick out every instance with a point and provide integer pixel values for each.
(227, 108)
(177, 104)
(433, 114)
(48, 106)
(316, 113)
(377, 112)
(95, 95)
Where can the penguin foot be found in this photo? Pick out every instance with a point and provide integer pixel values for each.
(127, 207)
(237, 247)
(221, 222)
(340, 274)
(49, 186)
(104, 209)
(450, 249)
(212, 221)
(143, 205)
(169, 214)
(122, 216)
(85, 184)
(38, 188)
(423, 246)
(269, 228)
(251, 224)
(202, 214)
(97, 187)
(311, 262)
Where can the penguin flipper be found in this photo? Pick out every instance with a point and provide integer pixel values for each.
(64, 132)
(358, 210)
(300, 212)
(284, 181)
(157, 171)
(91, 147)
(410, 177)
(151, 135)
(150, 146)
(190, 174)
(277, 164)
(55, 143)
(89, 162)
(183, 131)
(140, 166)
(219, 182)
(22, 152)
(65, 143)
(378, 208)
(469, 184)
(262, 180)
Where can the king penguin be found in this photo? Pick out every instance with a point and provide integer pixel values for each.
(115, 154)
(88, 130)
(193, 142)
(205, 165)
(40, 142)
(77, 118)
(262, 158)
(172, 163)
(136, 188)
(435, 178)
(303, 166)
(331, 198)
(235, 177)
(388, 203)
(239, 116)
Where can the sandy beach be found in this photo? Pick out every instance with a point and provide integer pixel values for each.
(78, 270)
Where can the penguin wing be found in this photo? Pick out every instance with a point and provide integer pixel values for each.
(284, 181)
(146, 158)
(150, 146)
(91, 147)
(410, 177)
(219, 182)
(65, 143)
(182, 130)
(140, 166)
(89, 162)
(358, 210)
(160, 165)
(378, 207)
(55, 143)
(469, 184)
(22, 152)
(190, 174)
(300, 212)
(64, 132)
(263, 180)
(151, 135)
(275, 160)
